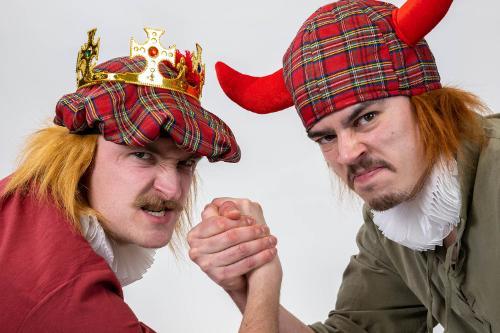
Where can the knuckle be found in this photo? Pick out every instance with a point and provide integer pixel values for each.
(258, 230)
(243, 249)
(250, 263)
(215, 219)
(205, 265)
(231, 236)
(221, 224)
(190, 238)
(268, 255)
(221, 277)
(194, 254)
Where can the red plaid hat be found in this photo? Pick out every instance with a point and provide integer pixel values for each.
(346, 53)
(136, 115)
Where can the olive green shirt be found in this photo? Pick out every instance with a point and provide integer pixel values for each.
(389, 288)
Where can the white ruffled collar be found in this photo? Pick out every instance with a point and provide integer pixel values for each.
(129, 262)
(422, 223)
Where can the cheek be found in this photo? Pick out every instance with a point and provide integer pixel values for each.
(331, 160)
(186, 182)
(113, 185)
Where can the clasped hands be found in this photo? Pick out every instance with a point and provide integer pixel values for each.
(233, 246)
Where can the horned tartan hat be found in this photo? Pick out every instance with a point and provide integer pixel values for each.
(347, 52)
(153, 93)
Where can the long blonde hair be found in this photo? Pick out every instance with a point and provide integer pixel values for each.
(52, 165)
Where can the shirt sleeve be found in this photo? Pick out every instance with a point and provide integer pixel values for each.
(87, 303)
(373, 297)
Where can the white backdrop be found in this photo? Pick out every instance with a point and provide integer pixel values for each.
(280, 167)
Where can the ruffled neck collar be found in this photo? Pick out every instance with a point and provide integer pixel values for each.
(422, 223)
(129, 262)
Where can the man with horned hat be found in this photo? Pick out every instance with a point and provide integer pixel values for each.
(420, 155)
(95, 195)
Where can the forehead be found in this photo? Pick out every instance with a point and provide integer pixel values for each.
(163, 146)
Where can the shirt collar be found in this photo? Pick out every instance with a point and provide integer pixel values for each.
(129, 262)
(424, 221)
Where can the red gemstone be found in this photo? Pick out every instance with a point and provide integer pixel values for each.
(153, 51)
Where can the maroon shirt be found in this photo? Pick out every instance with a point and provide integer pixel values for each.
(50, 278)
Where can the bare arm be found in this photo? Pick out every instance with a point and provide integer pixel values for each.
(288, 323)
(243, 266)
(262, 306)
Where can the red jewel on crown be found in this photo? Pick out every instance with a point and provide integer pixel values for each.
(153, 52)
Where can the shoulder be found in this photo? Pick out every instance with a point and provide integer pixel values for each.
(40, 253)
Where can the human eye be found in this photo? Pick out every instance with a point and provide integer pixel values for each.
(326, 139)
(189, 164)
(143, 156)
(365, 119)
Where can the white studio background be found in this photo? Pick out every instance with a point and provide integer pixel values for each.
(280, 168)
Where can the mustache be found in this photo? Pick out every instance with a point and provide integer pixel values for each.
(363, 164)
(155, 203)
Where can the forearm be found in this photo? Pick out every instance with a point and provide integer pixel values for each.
(288, 323)
(261, 310)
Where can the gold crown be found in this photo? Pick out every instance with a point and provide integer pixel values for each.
(190, 70)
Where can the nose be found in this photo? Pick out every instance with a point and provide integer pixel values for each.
(350, 148)
(168, 182)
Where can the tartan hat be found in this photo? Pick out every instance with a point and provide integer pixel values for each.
(346, 53)
(137, 115)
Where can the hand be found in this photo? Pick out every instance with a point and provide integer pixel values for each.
(231, 240)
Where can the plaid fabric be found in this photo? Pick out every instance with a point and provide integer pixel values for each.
(346, 53)
(137, 115)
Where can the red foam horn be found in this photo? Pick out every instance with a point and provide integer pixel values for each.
(265, 94)
(416, 18)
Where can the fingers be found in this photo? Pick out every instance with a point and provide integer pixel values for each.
(229, 210)
(231, 241)
(229, 238)
(215, 225)
(238, 252)
(209, 211)
(249, 263)
(245, 207)
(219, 201)
(223, 275)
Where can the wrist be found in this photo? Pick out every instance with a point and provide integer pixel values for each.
(239, 298)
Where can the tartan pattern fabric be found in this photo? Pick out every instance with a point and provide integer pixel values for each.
(346, 53)
(137, 115)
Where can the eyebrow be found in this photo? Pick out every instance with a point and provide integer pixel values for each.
(345, 122)
(357, 111)
(154, 150)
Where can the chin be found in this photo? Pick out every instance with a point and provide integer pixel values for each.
(156, 241)
(387, 201)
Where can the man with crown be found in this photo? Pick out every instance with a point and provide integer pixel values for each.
(423, 157)
(97, 193)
